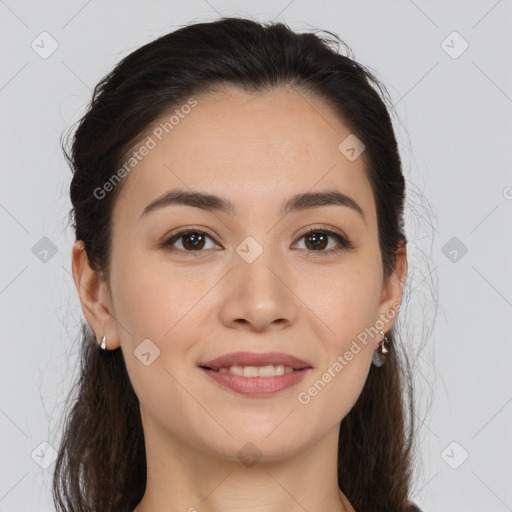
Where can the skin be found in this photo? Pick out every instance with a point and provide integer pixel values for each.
(256, 150)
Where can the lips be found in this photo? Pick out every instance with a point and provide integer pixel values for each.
(255, 359)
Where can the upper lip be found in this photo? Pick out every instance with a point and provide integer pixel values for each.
(256, 359)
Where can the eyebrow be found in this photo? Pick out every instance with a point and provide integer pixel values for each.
(210, 202)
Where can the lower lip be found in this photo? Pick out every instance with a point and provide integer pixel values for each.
(257, 386)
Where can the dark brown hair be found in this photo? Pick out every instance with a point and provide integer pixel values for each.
(101, 463)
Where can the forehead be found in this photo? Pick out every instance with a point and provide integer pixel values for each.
(255, 149)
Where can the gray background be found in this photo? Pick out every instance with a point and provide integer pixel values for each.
(454, 127)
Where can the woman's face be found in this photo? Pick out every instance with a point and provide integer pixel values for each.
(253, 283)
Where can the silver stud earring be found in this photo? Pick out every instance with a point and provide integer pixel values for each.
(379, 355)
(103, 345)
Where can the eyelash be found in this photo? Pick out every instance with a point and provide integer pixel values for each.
(343, 241)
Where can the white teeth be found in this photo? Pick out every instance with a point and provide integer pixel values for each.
(250, 371)
(265, 371)
(258, 371)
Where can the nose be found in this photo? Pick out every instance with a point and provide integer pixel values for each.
(259, 294)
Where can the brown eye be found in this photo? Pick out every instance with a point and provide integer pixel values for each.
(317, 241)
(191, 241)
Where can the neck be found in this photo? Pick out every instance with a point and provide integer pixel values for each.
(185, 478)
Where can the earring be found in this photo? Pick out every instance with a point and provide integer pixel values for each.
(379, 355)
(103, 345)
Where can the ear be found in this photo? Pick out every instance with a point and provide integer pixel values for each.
(392, 289)
(94, 297)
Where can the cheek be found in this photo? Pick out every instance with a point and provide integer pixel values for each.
(151, 300)
(344, 299)
(328, 397)
(160, 309)
(345, 304)
(345, 310)
(153, 303)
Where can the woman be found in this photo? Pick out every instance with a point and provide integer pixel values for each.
(240, 260)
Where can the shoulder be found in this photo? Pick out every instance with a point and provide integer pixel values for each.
(412, 507)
